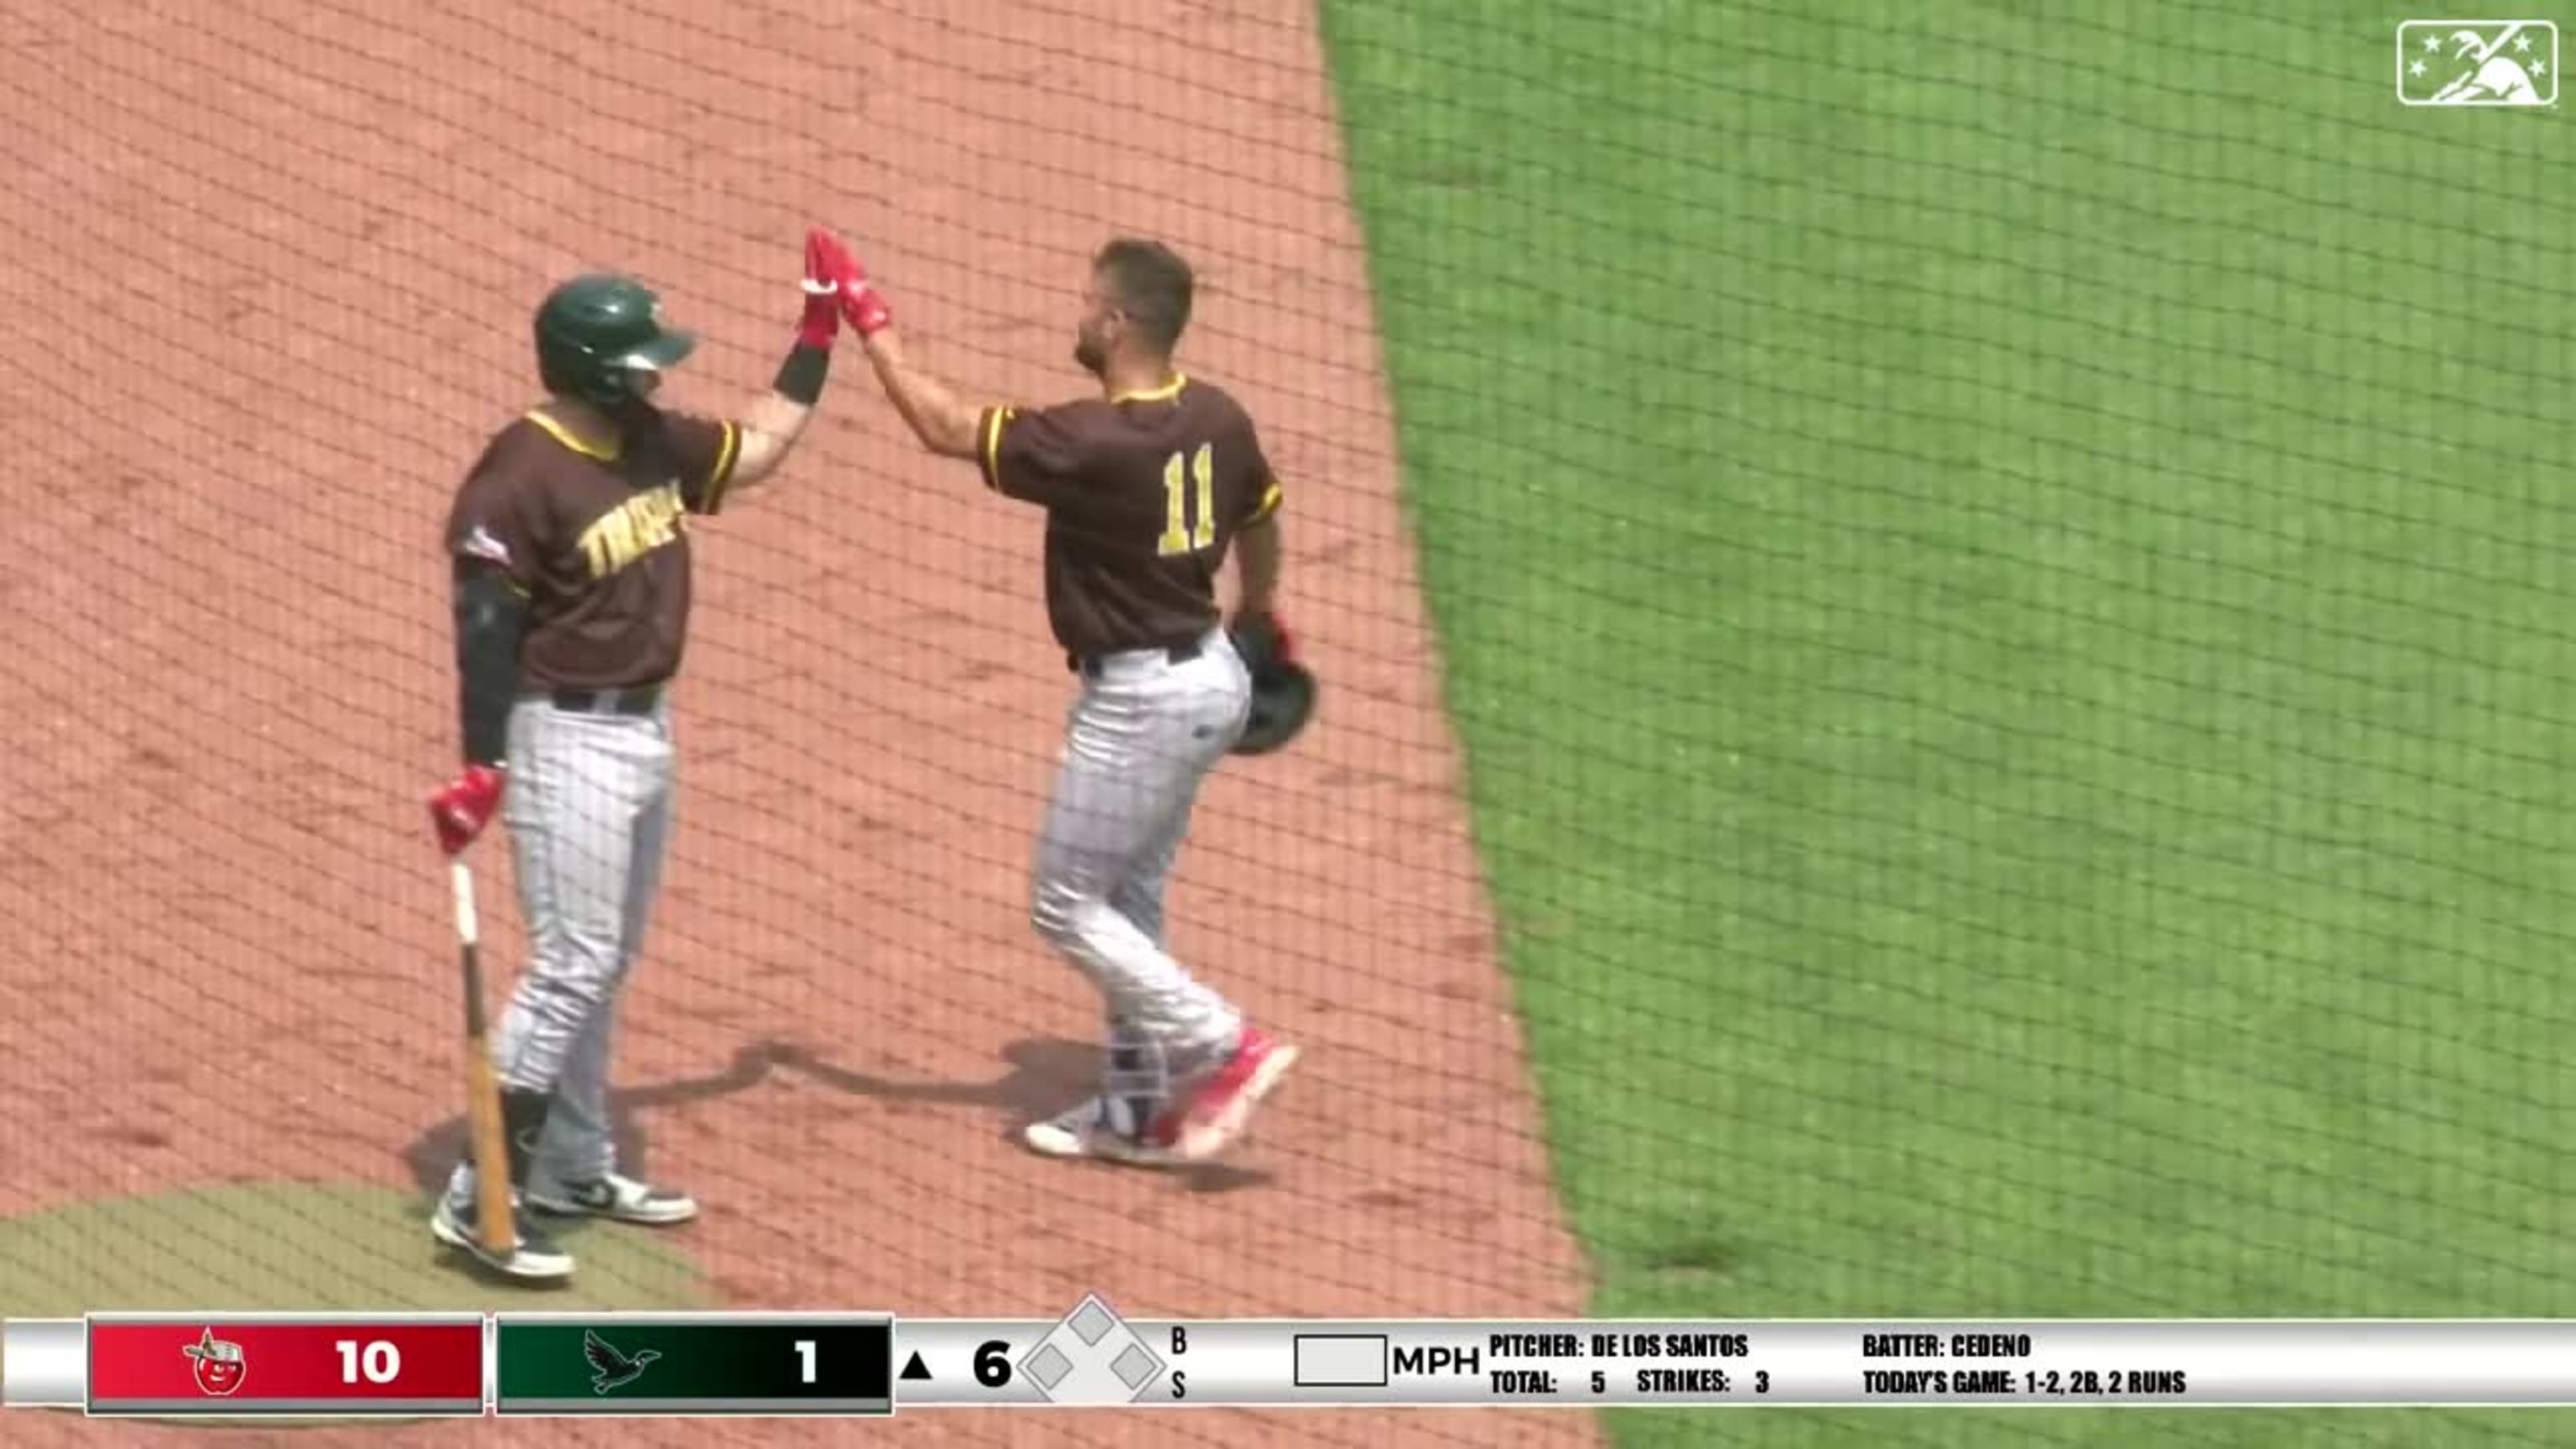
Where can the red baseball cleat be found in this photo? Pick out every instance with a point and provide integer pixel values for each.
(1217, 1111)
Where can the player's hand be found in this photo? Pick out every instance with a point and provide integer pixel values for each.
(862, 305)
(1283, 690)
(1263, 640)
(827, 271)
(459, 809)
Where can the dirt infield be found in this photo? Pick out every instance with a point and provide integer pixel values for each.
(269, 267)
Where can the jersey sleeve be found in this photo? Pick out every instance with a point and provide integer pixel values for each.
(704, 450)
(1262, 494)
(494, 523)
(1030, 455)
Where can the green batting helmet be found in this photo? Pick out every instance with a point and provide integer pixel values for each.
(593, 331)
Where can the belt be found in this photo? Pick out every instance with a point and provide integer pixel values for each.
(639, 700)
(1089, 665)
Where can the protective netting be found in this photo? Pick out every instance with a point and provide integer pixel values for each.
(2053, 521)
(270, 272)
(1996, 575)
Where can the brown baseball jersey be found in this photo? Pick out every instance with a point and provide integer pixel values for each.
(1143, 494)
(597, 542)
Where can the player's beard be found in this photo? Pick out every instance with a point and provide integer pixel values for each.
(1091, 345)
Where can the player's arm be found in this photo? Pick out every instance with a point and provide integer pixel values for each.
(1032, 456)
(1257, 546)
(491, 614)
(488, 602)
(1261, 637)
(757, 442)
(1258, 554)
(943, 424)
(1283, 688)
(775, 422)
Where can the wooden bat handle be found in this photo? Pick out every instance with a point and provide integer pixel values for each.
(496, 1226)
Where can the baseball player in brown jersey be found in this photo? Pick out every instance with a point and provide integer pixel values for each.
(1146, 488)
(569, 548)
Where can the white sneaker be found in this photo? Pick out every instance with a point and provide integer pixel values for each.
(536, 1259)
(1086, 1131)
(622, 1199)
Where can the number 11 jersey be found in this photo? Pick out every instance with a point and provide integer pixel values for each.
(1143, 494)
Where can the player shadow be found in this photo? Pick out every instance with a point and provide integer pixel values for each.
(1043, 1075)
(432, 1155)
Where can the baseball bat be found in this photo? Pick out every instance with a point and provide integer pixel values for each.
(499, 1230)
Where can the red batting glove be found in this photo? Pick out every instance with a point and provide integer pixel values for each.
(827, 263)
(861, 303)
(460, 809)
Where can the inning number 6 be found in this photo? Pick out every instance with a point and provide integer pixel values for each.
(378, 1361)
(1180, 534)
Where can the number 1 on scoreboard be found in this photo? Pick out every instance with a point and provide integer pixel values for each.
(805, 1355)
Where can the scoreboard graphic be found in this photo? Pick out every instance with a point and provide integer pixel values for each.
(215, 1365)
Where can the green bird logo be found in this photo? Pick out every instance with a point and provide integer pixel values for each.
(613, 1369)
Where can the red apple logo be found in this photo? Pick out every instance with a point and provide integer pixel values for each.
(218, 1365)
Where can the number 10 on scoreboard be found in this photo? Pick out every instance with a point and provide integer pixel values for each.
(377, 1361)
(282, 1364)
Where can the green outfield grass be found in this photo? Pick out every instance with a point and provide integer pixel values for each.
(2002, 582)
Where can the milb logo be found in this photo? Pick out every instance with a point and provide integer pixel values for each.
(2477, 63)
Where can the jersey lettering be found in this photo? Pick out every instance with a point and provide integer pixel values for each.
(1185, 531)
(643, 523)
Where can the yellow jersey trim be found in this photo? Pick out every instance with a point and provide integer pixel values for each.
(727, 453)
(994, 417)
(1164, 393)
(570, 439)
